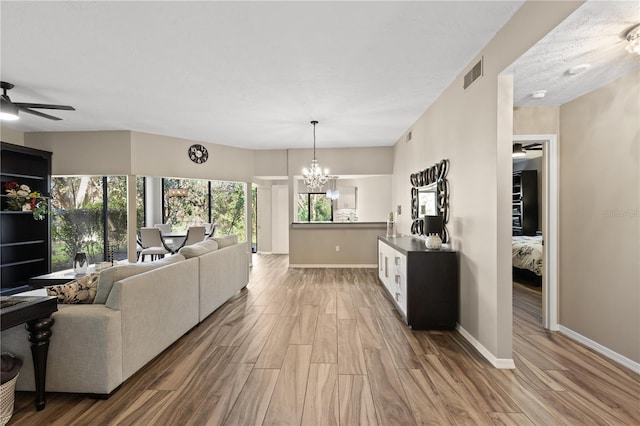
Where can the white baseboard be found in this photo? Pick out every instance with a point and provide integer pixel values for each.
(502, 363)
(331, 265)
(603, 350)
(264, 252)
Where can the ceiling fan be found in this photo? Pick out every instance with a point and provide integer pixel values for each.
(520, 150)
(9, 110)
(533, 147)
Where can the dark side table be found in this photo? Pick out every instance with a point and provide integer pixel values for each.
(35, 311)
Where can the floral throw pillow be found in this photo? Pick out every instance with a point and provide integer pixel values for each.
(82, 290)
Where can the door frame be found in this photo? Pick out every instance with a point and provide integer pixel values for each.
(550, 307)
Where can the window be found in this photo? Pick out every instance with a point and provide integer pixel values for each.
(228, 207)
(314, 207)
(188, 202)
(89, 214)
(185, 203)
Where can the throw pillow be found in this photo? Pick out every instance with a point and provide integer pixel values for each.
(198, 249)
(226, 241)
(120, 272)
(82, 290)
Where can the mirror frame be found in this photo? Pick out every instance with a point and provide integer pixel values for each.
(428, 179)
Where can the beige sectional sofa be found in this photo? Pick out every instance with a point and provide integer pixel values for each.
(96, 347)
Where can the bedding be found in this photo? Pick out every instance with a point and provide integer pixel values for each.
(527, 253)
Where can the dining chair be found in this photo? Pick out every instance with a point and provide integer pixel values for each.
(164, 228)
(152, 243)
(209, 228)
(195, 234)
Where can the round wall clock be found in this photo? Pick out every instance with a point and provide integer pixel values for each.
(198, 153)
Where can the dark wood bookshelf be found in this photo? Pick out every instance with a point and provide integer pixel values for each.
(25, 243)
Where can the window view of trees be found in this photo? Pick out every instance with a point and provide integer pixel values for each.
(89, 213)
(314, 207)
(228, 208)
(79, 215)
(185, 203)
(190, 202)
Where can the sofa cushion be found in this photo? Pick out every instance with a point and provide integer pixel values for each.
(117, 273)
(198, 249)
(225, 241)
(82, 290)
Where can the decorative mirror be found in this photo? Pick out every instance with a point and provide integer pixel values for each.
(430, 197)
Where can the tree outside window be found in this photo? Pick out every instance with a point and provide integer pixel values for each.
(314, 207)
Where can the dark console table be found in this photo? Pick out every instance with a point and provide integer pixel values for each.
(423, 284)
(35, 311)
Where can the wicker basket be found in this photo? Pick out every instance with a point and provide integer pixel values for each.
(7, 396)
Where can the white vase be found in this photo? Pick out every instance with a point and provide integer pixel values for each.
(433, 242)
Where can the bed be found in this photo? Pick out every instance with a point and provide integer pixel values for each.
(527, 259)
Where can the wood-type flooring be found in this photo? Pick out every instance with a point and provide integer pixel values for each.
(326, 347)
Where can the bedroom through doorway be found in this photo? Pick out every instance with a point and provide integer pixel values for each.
(534, 228)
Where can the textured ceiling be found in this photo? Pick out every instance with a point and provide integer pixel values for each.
(592, 35)
(253, 74)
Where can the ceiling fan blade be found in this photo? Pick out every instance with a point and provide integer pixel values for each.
(44, 106)
(39, 114)
(533, 146)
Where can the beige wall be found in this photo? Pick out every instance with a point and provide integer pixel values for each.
(473, 129)
(344, 161)
(81, 153)
(271, 163)
(157, 155)
(536, 121)
(373, 196)
(9, 135)
(599, 216)
(317, 246)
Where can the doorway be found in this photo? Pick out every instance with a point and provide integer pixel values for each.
(549, 224)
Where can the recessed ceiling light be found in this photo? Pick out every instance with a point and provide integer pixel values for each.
(539, 94)
(578, 69)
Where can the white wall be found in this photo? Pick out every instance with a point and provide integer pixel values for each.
(280, 218)
(264, 219)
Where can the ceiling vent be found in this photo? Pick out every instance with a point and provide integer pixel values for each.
(474, 74)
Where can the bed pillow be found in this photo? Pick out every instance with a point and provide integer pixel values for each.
(120, 272)
(226, 241)
(198, 249)
(81, 291)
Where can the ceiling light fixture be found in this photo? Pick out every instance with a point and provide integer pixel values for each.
(633, 37)
(518, 151)
(315, 177)
(539, 94)
(8, 111)
(578, 69)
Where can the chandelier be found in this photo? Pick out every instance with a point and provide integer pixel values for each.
(315, 177)
(332, 192)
